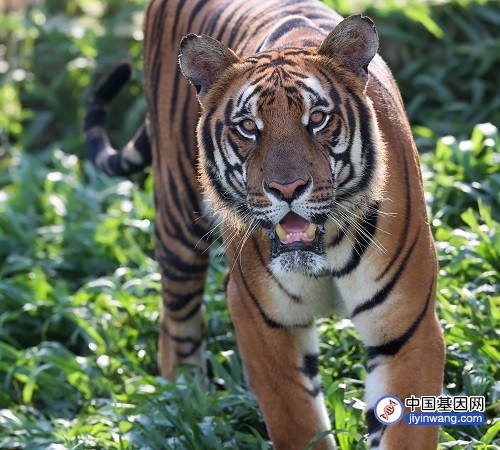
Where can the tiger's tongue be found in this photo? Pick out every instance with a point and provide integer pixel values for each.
(294, 228)
(293, 223)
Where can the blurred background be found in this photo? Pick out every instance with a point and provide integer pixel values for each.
(79, 286)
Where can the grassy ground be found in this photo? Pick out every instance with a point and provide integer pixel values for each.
(79, 289)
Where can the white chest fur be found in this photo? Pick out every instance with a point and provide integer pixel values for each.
(297, 299)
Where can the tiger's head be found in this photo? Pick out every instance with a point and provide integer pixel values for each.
(288, 139)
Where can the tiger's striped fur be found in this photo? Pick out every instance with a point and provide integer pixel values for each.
(136, 155)
(300, 125)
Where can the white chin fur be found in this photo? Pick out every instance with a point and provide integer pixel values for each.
(307, 263)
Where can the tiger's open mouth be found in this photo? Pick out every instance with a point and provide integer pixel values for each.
(294, 233)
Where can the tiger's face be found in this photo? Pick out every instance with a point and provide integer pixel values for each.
(289, 146)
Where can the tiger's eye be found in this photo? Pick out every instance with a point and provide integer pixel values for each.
(317, 117)
(248, 125)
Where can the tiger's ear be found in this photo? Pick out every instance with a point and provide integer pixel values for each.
(203, 60)
(353, 43)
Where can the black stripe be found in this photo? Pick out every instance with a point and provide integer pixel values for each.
(177, 76)
(188, 132)
(372, 422)
(295, 74)
(174, 94)
(345, 157)
(404, 232)
(229, 169)
(334, 140)
(383, 293)
(175, 196)
(361, 244)
(206, 138)
(309, 90)
(238, 26)
(298, 52)
(286, 27)
(178, 234)
(267, 320)
(178, 10)
(157, 33)
(283, 9)
(191, 205)
(143, 146)
(159, 16)
(196, 307)
(180, 339)
(194, 12)
(214, 24)
(169, 257)
(277, 12)
(181, 300)
(311, 365)
(384, 88)
(293, 297)
(393, 347)
(170, 275)
(364, 120)
(182, 205)
(183, 340)
(312, 392)
(228, 111)
(191, 352)
(211, 167)
(256, 58)
(338, 238)
(241, 158)
(334, 94)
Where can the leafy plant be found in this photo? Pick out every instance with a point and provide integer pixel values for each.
(444, 56)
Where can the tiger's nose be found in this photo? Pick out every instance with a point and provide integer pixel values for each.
(287, 191)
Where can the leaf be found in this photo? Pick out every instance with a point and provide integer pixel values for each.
(491, 433)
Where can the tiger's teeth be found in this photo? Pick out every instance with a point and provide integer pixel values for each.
(280, 232)
(283, 235)
(311, 230)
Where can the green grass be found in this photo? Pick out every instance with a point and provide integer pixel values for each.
(79, 288)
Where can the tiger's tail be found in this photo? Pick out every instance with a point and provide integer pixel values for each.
(136, 154)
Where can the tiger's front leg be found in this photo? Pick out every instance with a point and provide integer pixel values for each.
(416, 370)
(400, 330)
(281, 362)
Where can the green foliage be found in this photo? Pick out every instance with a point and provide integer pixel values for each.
(52, 57)
(462, 185)
(79, 289)
(445, 57)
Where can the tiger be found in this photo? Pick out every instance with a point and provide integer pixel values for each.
(280, 119)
